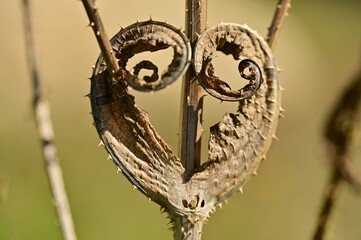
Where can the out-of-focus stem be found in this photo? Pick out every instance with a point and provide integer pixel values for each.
(46, 134)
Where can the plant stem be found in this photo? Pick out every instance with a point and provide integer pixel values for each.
(192, 93)
(328, 204)
(185, 230)
(103, 40)
(338, 134)
(274, 29)
(46, 133)
(191, 118)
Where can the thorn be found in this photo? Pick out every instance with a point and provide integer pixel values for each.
(93, 67)
(149, 200)
(221, 206)
(150, 18)
(119, 170)
(134, 187)
(282, 109)
(91, 24)
(87, 95)
(101, 144)
(240, 190)
(279, 70)
(281, 115)
(109, 157)
(264, 157)
(193, 222)
(226, 201)
(282, 89)
(274, 137)
(91, 113)
(271, 100)
(254, 173)
(92, 124)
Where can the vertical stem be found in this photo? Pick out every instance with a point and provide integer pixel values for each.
(186, 230)
(339, 132)
(192, 92)
(46, 134)
(328, 204)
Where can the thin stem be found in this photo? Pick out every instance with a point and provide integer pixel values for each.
(192, 93)
(274, 29)
(328, 204)
(338, 133)
(186, 230)
(102, 38)
(46, 134)
(340, 127)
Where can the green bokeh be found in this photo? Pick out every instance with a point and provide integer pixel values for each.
(319, 51)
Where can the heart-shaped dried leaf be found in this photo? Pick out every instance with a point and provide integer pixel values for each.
(237, 144)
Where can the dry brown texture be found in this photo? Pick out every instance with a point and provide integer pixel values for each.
(228, 38)
(237, 144)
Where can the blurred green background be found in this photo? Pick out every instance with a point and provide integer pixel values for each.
(319, 50)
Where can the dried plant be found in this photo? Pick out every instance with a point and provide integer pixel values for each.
(46, 133)
(185, 189)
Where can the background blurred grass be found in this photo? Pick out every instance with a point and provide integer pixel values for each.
(319, 50)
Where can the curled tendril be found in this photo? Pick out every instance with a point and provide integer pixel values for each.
(145, 64)
(230, 39)
(151, 36)
(221, 90)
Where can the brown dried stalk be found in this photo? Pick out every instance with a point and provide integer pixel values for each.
(275, 28)
(102, 38)
(192, 93)
(338, 135)
(46, 134)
